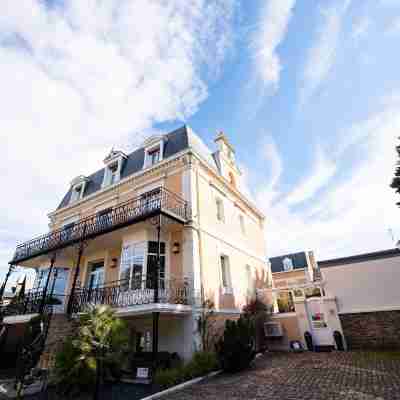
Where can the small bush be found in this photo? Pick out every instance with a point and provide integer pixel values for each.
(166, 378)
(235, 349)
(201, 364)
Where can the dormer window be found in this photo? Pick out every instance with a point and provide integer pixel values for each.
(78, 188)
(287, 264)
(153, 151)
(113, 173)
(154, 156)
(112, 170)
(76, 193)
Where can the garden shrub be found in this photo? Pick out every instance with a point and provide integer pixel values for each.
(235, 349)
(166, 378)
(73, 375)
(97, 351)
(201, 364)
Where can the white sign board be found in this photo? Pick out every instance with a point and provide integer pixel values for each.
(142, 373)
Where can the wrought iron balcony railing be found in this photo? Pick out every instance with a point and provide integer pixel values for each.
(159, 201)
(30, 303)
(123, 293)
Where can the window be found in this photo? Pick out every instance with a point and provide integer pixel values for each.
(287, 264)
(225, 273)
(132, 265)
(76, 193)
(154, 156)
(242, 225)
(114, 176)
(220, 209)
(96, 274)
(152, 264)
(250, 280)
(285, 302)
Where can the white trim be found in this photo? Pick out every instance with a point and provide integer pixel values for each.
(369, 309)
(19, 319)
(157, 307)
(180, 386)
(284, 315)
(227, 311)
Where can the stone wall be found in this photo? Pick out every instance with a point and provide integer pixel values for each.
(372, 330)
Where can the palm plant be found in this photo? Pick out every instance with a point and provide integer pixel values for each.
(100, 345)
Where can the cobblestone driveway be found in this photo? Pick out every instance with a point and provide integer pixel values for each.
(311, 376)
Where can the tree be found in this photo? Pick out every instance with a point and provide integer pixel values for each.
(396, 180)
(206, 325)
(258, 312)
(235, 349)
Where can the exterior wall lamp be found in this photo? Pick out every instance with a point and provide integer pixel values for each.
(176, 248)
(113, 262)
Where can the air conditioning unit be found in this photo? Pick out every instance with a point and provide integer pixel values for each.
(273, 329)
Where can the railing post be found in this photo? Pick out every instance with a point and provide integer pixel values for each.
(77, 268)
(43, 302)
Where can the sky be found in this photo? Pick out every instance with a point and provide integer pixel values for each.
(307, 91)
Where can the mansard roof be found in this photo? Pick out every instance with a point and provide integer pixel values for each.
(174, 142)
(299, 261)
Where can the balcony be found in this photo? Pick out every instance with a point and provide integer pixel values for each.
(124, 294)
(159, 201)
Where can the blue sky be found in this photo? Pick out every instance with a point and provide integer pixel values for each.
(308, 93)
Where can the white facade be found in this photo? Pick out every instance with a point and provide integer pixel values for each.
(365, 285)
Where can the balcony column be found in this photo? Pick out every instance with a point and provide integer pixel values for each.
(156, 315)
(43, 303)
(3, 286)
(77, 268)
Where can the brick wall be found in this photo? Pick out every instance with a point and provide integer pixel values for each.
(372, 330)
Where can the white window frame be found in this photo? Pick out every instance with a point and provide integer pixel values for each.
(287, 264)
(109, 173)
(225, 274)
(78, 185)
(150, 149)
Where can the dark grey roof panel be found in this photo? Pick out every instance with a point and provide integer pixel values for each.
(377, 255)
(299, 261)
(175, 142)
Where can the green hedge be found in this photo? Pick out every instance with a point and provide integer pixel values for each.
(201, 364)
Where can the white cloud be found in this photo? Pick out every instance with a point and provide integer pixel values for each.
(361, 27)
(81, 76)
(270, 155)
(394, 27)
(322, 171)
(322, 55)
(273, 25)
(354, 214)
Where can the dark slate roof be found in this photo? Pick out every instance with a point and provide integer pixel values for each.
(299, 261)
(174, 142)
(377, 255)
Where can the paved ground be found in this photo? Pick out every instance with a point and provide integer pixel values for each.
(311, 376)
